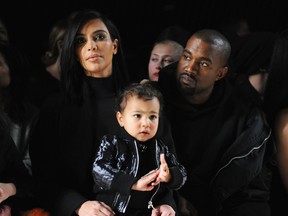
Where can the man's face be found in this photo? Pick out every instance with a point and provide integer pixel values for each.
(198, 69)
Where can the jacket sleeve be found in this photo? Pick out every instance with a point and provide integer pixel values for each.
(108, 172)
(246, 158)
(178, 171)
(12, 168)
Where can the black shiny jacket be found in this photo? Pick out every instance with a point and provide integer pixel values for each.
(120, 174)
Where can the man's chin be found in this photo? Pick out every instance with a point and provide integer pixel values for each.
(186, 89)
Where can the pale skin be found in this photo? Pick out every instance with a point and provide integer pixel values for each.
(96, 49)
(4, 73)
(258, 81)
(140, 119)
(6, 190)
(281, 129)
(54, 69)
(161, 56)
(200, 66)
(95, 52)
(5, 211)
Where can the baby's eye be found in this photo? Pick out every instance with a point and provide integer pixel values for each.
(152, 117)
(137, 115)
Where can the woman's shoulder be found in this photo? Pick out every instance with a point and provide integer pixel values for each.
(282, 121)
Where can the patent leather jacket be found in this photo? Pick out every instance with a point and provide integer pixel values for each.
(118, 175)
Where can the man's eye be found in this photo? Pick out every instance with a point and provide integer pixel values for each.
(204, 64)
(186, 57)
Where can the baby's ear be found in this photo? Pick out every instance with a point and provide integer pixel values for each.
(119, 118)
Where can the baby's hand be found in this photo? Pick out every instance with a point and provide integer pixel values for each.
(145, 183)
(164, 174)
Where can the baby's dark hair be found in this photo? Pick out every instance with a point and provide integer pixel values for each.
(145, 91)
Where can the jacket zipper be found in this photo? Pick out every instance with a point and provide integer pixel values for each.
(150, 203)
(243, 156)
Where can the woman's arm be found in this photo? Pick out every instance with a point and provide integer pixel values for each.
(281, 135)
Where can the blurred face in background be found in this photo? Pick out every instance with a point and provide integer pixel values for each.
(4, 73)
(3, 32)
(163, 54)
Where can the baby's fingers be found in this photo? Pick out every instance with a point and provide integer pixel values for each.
(162, 159)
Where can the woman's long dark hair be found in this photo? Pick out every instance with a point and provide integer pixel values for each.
(72, 73)
(276, 91)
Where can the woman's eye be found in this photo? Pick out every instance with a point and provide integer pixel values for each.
(80, 40)
(168, 61)
(154, 59)
(99, 37)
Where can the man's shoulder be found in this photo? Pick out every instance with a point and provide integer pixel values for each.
(168, 70)
(167, 77)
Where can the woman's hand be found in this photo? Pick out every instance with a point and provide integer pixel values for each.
(6, 190)
(94, 208)
(163, 210)
(5, 211)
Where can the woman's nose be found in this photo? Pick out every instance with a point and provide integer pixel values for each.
(92, 45)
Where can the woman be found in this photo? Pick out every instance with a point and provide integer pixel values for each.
(15, 180)
(19, 114)
(163, 53)
(70, 125)
(276, 108)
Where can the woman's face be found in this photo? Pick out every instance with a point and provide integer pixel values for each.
(96, 49)
(161, 56)
(4, 73)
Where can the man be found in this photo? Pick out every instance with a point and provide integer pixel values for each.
(223, 143)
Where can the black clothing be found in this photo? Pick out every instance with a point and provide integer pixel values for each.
(42, 87)
(64, 145)
(13, 170)
(21, 130)
(120, 162)
(224, 145)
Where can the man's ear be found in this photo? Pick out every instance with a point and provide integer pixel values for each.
(222, 73)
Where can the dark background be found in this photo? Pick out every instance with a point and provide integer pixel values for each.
(139, 22)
